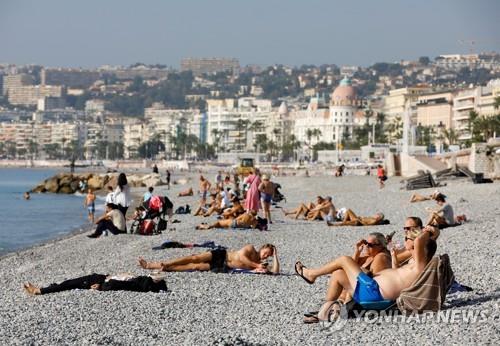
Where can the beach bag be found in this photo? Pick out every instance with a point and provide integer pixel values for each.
(162, 225)
(155, 203)
(428, 292)
(147, 227)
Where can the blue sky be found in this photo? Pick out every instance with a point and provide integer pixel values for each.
(90, 33)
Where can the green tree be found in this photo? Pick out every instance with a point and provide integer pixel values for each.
(496, 103)
(260, 143)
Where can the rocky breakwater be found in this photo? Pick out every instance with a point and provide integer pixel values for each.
(70, 182)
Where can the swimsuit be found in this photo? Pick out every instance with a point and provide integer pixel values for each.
(218, 263)
(91, 208)
(266, 197)
(203, 194)
(367, 290)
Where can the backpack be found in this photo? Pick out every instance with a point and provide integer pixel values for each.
(429, 290)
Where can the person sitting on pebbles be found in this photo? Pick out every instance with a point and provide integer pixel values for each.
(443, 215)
(348, 275)
(324, 211)
(370, 253)
(102, 282)
(222, 261)
(235, 211)
(351, 219)
(247, 220)
(304, 209)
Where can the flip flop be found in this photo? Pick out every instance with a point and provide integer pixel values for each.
(311, 319)
(301, 272)
(311, 313)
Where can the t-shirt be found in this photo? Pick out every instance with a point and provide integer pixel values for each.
(147, 196)
(448, 214)
(110, 198)
(225, 199)
(117, 219)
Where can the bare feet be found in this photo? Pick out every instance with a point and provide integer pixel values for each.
(143, 263)
(31, 289)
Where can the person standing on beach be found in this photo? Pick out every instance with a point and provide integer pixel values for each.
(90, 204)
(252, 200)
(155, 169)
(122, 194)
(110, 197)
(266, 189)
(381, 176)
(168, 179)
(204, 189)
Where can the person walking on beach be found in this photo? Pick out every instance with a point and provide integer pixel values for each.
(113, 221)
(221, 260)
(90, 204)
(122, 194)
(266, 189)
(381, 177)
(252, 200)
(168, 179)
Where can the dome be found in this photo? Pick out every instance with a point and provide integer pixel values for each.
(344, 93)
(283, 110)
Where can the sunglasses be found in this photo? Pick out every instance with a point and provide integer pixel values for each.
(409, 228)
(408, 238)
(371, 245)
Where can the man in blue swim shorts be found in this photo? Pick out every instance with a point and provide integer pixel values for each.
(388, 283)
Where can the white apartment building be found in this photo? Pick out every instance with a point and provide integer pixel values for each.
(479, 99)
(136, 132)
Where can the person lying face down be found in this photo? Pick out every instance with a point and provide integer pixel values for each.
(102, 282)
(387, 284)
(221, 260)
(351, 219)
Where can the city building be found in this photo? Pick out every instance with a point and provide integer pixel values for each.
(16, 80)
(399, 101)
(435, 109)
(201, 66)
(68, 77)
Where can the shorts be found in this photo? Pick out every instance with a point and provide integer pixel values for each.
(218, 263)
(266, 197)
(367, 290)
(203, 195)
(234, 223)
(91, 209)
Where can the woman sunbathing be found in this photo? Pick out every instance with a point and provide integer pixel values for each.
(351, 219)
(186, 193)
(101, 282)
(221, 260)
(420, 198)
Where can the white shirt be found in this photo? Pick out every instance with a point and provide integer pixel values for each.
(110, 198)
(117, 219)
(122, 197)
(226, 202)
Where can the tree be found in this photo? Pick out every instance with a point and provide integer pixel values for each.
(310, 133)
(150, 149)
(260, 143)
(450, 136)
(53, 150)
(496, 103)
(32, 148)
(424, 60)
(11, 149)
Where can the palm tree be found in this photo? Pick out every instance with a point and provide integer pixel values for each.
(470, 121)
(216, 134)
(260, 144)
(33, 148)
(451, 136)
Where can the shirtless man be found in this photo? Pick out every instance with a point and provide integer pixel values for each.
(385, 285)
(323, 211)
(186, 193)
(266, 189)
(235, 211)
(416, 197)
(244, 221)
(215, 204)
(303, 209)
(90, 204)
(351, 219)
(204, 190)
(222, 260)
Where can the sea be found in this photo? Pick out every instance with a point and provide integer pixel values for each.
(46, 216)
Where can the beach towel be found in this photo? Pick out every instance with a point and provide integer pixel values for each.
(429, 290)
(170, 244)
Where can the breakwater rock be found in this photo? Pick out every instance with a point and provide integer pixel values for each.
(71, 182)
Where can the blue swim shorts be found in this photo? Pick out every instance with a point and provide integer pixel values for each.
(367, 290)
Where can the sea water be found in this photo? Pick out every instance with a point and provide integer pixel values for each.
(45, 216)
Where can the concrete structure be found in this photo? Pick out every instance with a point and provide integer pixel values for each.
(15, 81)
(435, 109)
(400, 100)
(29, 95)
(50, 103)
(71, 78)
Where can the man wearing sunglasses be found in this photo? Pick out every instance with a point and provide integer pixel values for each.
(385, 285)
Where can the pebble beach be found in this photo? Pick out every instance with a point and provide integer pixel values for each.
(226, 309)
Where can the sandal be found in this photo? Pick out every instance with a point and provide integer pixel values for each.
(311, 319)
(299, 269)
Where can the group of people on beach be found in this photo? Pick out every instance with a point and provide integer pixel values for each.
(377, 271)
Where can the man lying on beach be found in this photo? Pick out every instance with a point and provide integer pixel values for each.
(443, 215)
(221, 260)
(113, 221)
(186, 193)
(247, 220)
(420, 198)
(303, 209)
(351, 219)
(101, 282)
(387, 284)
